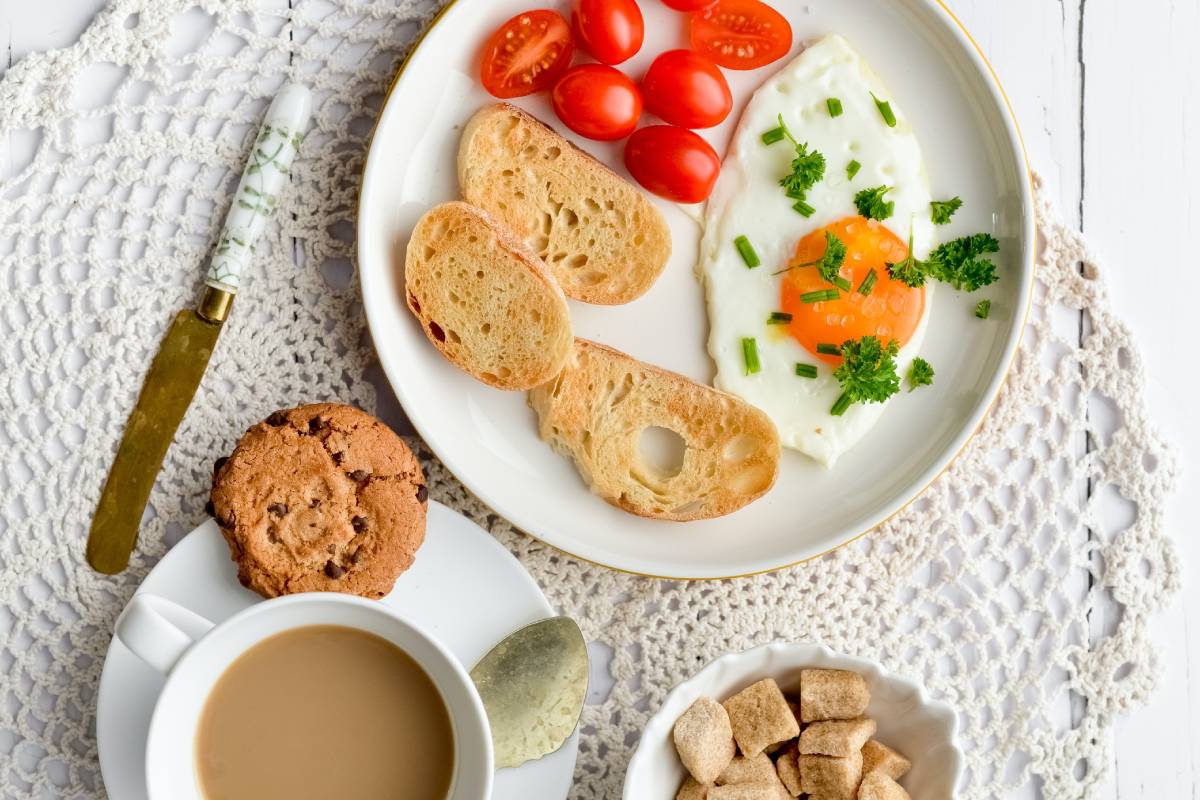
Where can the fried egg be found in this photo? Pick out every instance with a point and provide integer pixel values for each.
(749, 202)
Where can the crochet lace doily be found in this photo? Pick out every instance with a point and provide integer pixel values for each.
(1018, 588)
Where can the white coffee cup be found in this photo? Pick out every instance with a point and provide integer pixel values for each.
(193, 653)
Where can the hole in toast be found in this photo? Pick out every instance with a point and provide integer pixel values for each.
(413, 304)
(452, 335)
(436, 332)
(577, 261)
(428, 252)
(752, 481)
(688, 509)
(662, 451)
(553, 152)
(571, 218)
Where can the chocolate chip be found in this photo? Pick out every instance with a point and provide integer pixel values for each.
(359, 524)
(316, 425)
(277, 509)
(355, 556)
(278, 419)
(314, 503)
(333, 570)
(272, 534)
(338, 458)
(220, 462)
(359, 475)
(330, 549)
(422, 493)
(210, 509)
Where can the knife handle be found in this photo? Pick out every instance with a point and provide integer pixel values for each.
(257, 194)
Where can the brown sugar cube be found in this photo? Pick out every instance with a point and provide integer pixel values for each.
(829, 777)
(878, 757)
(760, 716)
(877, 786)
(692, 790)
(831, 694)
(748, 770)
(836, 737)
(788, 768)
(704, 739)
(749, 791)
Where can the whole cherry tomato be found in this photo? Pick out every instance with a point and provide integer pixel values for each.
(527, 54)
(611, 30)
(741, 34)
(598, 102)
(672, 162)
(686, 89)
(688, 5)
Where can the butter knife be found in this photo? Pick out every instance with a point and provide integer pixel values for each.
(183, 355)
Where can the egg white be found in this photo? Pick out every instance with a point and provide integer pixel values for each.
(748, 201)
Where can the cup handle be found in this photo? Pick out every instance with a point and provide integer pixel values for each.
(159, 631)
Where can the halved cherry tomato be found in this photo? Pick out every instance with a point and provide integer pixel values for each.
(598, 102)
(673, 163)
(527, 54)
(741, 34)
(686, 89)
(688, 5)
(611, 30)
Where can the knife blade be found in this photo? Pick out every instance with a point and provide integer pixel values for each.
(188, 345)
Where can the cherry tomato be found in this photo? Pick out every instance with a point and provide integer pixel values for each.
(673, 163)
(527, 54)
(598, 102)
(688, 5)
(687, 89)
(741, 34)
(611, 30)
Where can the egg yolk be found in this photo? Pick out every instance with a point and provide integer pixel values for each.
(891, 311)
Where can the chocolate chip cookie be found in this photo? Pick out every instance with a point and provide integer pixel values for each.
(321, 498)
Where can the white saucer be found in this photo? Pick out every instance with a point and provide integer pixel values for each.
(464, 588)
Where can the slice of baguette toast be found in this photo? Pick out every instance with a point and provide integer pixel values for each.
(598, 408)
(485, 301)
(602, 238)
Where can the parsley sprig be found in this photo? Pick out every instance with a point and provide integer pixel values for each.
(872, 205)
(829, 264)
(911, 271)
(943, 210)
(960, 263)
(920, 374)
(867, 373)
(808, 167)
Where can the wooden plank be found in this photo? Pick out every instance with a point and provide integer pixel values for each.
(1140, 169)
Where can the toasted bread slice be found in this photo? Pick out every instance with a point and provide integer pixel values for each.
(602, 238)
(485, 301)
(597, 410)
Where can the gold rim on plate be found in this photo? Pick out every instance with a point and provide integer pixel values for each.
(1032, 265)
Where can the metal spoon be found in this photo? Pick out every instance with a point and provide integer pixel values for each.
(533, 685)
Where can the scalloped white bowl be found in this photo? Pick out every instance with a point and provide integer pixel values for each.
(923, 729)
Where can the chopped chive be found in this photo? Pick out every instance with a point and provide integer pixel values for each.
(779, 318)
(885, 109)
(852, 169)
(842, 283)
(804, 209)
(747, 252)
(806, 370)
(750, 353)
(868, 283)
(984, 309)
(835, 106)
(829, 349)
(774, 135)
(820, 296)
(840, 406)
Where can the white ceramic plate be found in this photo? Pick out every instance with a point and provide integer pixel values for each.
(921, 729)
(488, 438)
(464, 588)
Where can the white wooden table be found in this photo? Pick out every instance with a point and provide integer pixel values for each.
(1108, 96)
